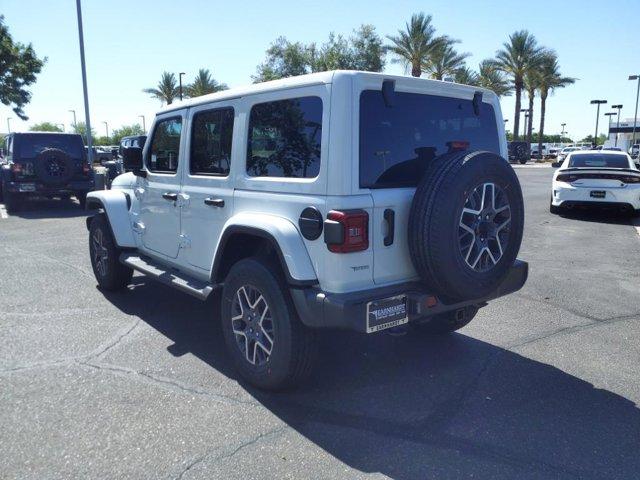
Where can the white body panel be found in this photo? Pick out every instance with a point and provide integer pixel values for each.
(115, 206)
(185, 234)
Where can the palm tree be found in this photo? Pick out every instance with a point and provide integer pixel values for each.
(531, 82)
(167, 89)
(443, 61)
(466, 76)
(203, 84)
(549, 79)
(518, 55)
(414, 45)
(492, 78)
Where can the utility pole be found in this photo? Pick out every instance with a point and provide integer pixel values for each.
(180, 81)
(84, 84)
(619, 107)
(597, 102)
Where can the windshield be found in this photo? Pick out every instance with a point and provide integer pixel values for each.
(397, 142)
(29, 146)
(599, 160)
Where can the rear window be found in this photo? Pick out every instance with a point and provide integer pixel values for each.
(598, 160)
(29, 146)
(398, 142)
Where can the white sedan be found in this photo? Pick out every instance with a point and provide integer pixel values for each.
(596, 178)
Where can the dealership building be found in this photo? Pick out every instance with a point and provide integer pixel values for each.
(624, 132)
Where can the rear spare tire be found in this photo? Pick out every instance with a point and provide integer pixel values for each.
(465, 225)
(54, 166)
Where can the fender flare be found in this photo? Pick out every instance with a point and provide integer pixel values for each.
(115, 204)
(283, 236)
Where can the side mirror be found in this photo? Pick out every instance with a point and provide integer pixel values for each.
(556, 164)
(132, 160)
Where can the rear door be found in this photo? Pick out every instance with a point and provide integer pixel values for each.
(397, 144)
(159, 218)
(207, 189)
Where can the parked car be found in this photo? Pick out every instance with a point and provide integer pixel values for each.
(344, 200)
(552, 153)
(634, 150)
(43, 164)
(596, 178)
(519, 152)
(565, 151)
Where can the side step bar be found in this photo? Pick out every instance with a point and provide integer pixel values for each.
(179, 280)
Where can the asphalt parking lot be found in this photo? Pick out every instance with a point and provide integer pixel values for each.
(542, 384)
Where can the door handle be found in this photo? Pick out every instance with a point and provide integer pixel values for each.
(214, 202)
(390, 217)
(170, 196)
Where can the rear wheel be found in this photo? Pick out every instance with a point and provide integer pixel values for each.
(11, 200)
(109, 272)
(446, 322)
(270, 347)
(82, 199)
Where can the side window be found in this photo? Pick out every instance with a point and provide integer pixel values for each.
(165, 146)
(211, 142)
(284, 138)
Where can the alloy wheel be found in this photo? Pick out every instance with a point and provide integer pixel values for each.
(100, 252)
(252, 325)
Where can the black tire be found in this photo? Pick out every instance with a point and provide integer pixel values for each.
(292, 349)
(523, 161)
(11, 201)
(435, 238)
(446, 322)
(82, 199)
(110, 273)
(54, 166)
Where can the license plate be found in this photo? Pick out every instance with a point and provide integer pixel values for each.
(598, 193)
(26, 187)
(386, 313)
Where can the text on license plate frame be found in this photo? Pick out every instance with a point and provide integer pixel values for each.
(387, 313)
(598, 193)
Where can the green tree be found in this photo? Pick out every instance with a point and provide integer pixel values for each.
(549, 79)
(125, 131)
(414, 45)
(589, 139)
(492, 78)
(45, 127)
(204, 84)
(362, 51)
(19, 67)
(444, 61)
(520, 54)
(531, 83)
(167, 89)
(466, 76)
(81, 128)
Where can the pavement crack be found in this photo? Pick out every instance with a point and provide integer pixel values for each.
(52, 259)
(104, 348)
(230, 452)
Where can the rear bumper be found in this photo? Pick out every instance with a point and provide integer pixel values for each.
(318, 309)
(616, 197)
(26, 187)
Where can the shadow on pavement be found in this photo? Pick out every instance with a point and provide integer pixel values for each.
(610, 216)
(38, 208)
(411, 407)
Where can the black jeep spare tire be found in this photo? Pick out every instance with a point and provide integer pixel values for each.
(465, 225)
(54, 166)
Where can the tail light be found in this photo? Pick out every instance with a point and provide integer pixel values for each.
(16, 168)
(347, 231)
(566, 178)
(630, 179)
(86, 169)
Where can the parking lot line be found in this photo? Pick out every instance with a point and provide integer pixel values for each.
(3, 212)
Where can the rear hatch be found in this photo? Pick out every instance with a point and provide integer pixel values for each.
(397, 143)
(29, 146)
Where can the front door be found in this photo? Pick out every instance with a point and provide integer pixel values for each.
(159, 220)
(208, 186)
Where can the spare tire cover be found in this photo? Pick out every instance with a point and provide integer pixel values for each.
(465, 225)
(54, 166)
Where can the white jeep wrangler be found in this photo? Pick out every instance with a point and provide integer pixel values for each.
(342, 199)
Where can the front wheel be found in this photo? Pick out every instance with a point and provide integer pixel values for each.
(110, 273)
(270, 347)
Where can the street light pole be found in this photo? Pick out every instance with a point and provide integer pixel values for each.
(106, 126)
(609, 114)
(635, 117)
(75, 124)
(619, 107)
(84, 83)
(8, 125)
(144, 127)
(597, 102)
(525, 122)
(180, 80)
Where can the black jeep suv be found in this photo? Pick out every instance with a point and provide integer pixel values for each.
(43, 164)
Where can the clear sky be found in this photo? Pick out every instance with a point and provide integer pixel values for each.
(129, 43)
